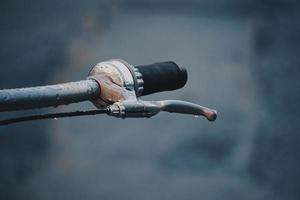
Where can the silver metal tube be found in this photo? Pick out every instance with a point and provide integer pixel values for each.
(48, 96)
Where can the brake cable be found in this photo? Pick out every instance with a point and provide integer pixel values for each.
(52, 116)
(114, 87)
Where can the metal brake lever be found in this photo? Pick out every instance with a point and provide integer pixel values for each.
(139, 109)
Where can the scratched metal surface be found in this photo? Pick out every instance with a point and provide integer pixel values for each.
(48, 96)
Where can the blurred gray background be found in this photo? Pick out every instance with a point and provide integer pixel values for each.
(242, 59)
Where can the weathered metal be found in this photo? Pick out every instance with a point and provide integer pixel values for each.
(47, 96)
(118, 81)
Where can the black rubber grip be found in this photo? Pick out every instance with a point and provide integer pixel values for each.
(162, 76)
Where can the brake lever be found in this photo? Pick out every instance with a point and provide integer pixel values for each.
(185, 107)
(140, 109)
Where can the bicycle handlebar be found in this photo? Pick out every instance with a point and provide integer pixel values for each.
(157, 77)
(114, 86)
(48, 96)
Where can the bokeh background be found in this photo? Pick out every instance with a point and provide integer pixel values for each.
(242, 59)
